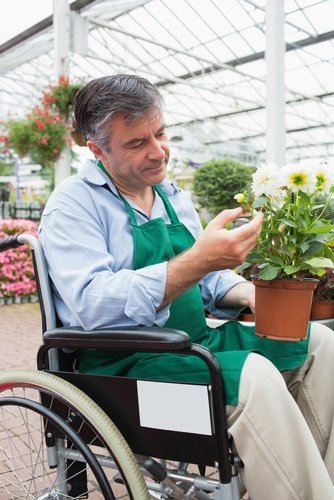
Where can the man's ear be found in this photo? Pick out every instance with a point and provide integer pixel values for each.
(95, 149)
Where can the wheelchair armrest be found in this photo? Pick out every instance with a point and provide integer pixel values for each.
(132, 338)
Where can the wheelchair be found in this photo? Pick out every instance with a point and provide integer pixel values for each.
(69, 435)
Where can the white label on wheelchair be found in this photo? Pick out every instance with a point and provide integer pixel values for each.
(174, 407)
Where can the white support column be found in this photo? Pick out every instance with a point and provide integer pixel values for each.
(62, 35)
(275, 86)
(62, 38)
(63, 166)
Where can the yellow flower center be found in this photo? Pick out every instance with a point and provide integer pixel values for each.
(298, 179)
(265, 179)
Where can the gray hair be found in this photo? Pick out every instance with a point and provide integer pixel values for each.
(103, 98)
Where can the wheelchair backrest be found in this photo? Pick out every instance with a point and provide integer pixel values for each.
(49, 317)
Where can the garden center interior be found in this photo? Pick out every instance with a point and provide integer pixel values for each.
(249, 81)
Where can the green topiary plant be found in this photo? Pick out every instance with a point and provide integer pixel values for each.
(217, 181)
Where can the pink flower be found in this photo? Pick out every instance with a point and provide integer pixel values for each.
(16, 270)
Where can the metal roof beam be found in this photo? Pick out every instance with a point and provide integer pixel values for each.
(41, 26)
(302, 146)
(324, 37)
(256, 108)
(289, 131)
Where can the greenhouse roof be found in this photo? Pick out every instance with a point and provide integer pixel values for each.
(208, 59)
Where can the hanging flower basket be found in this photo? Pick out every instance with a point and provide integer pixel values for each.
(61, 96)
(42, 136)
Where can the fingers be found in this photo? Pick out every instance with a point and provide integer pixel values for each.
(224, 217)
(220, 248)
(252, 228)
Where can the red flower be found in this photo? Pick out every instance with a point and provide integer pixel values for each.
(40, 125)
(48, 99)
(43, 140)
(64, 80)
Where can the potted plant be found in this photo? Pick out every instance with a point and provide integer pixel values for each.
(295, 242)
(323, 297)
(61, 97)
(42, 136)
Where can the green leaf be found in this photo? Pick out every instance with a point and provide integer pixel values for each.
(320, 262)
(314, 247)
(328, 252)
(289, 222)
(305, 247)
(291, 269)
(243, 267)
(276, 260)
(260, 202)
(269, 272)
(321, 228)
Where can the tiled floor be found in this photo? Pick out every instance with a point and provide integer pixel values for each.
(20, 336)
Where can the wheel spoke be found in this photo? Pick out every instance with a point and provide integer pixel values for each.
(79, 467)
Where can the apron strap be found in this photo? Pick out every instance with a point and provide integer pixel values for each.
(168, 206)
(126, 203)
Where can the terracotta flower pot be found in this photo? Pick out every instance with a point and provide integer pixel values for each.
(283, 308)
(322, 309)
(247, 317)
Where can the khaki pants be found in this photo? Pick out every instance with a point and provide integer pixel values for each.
(286, 437)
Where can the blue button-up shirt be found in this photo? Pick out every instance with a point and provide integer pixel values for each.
(88, 244)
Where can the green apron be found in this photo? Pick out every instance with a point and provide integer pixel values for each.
(155, 242)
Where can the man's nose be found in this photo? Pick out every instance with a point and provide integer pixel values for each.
(156, 150)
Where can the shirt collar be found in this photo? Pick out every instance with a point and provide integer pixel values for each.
(92, 174)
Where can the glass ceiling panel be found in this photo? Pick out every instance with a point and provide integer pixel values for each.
(207, 57)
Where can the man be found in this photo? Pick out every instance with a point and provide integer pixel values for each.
(125, 247)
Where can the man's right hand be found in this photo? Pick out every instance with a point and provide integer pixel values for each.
(216, 248)
(220, 248)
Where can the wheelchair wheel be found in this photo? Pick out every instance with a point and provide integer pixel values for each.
(64, 448)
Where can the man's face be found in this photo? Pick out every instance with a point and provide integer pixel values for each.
(138, 152)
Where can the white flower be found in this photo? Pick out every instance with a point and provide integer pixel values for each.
(299, 178)
(267, 180)
(325, 177)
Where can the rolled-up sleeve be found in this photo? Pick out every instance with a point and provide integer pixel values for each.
(214, 287)
(146, 292)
